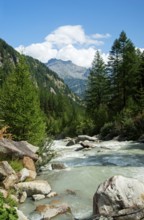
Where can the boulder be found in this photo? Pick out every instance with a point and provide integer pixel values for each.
(25, 173)
(51, 194)
(57, 166)
(29, 163)
(21, 215)
(37, 197)
(10, 181)
(34, 187)
(5, 170)
(32, 175)
(141, 138)
(31, 147)
(87, 144)
(86, 138)
(70, 143)
(121, 198)
(22, 197)
(50, 211)
(18, 149)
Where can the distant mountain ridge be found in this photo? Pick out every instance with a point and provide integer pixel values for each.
(73, 75)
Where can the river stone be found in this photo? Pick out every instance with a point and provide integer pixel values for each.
(58, 166)
(5, 170)
(119, 194)
(10, 180)
(34, 187)
(86, 138)
(49, 211)
(21, 215)
(25, 173)
(37, 197)
(29, 163)
(70, 143)
(22, 197)
(87, 144)
(51, 194)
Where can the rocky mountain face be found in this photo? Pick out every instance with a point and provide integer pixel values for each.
(74, 76)
(42, 75)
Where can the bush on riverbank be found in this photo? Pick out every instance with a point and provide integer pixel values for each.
(7, 210)
(126, 127)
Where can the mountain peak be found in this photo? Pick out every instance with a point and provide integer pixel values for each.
(67, 69)
(74, 76)
(54, 61)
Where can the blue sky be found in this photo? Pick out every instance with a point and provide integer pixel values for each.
(70, 29)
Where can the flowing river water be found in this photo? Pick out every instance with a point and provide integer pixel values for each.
(85, 170)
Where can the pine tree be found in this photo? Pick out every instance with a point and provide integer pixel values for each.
(123, 69)
(21, 107)
(97, 90)
(97, 93)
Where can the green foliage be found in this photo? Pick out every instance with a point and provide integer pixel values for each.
(123, 70)
(116, 100)
(107, 129)
(97, 91)
(45, 153)
(16, 164)
(21, 108)
(84, 126)
(97, 94)
(101, 117)
(7, 210)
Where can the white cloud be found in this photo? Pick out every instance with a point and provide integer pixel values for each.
(100, 36)
(66, 43)
(141, 49)
(81, 57)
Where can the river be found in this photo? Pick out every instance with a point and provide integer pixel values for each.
(85, 170)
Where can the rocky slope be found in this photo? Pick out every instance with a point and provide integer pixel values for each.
(42, 75)
(74, 76)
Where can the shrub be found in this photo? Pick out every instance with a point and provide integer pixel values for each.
(16, 164)
(107, 129)
(7, 210)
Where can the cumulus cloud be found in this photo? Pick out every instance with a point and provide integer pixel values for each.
(141, 49)
(67, 43)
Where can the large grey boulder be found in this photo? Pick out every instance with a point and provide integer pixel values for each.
(34, 187)
(121, 198)
(19, 148)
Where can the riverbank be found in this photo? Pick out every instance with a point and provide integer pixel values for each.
(85, 170)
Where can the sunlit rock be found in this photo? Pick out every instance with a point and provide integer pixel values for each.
(120, 197)
(34, 187)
